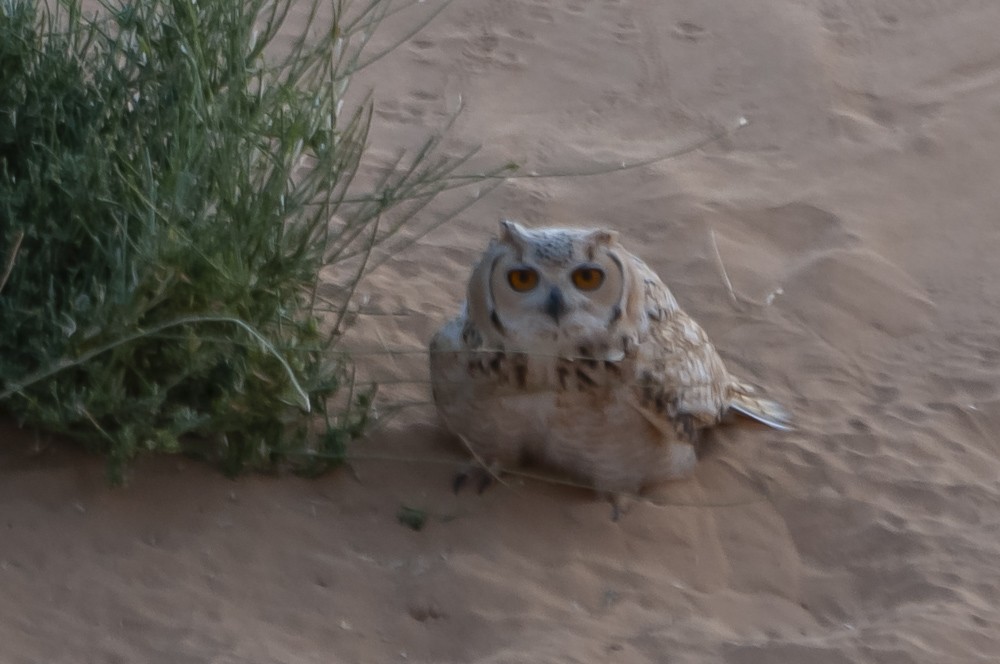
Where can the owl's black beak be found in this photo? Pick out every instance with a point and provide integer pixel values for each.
(555, 306)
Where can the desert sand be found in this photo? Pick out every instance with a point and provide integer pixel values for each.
(857, 216)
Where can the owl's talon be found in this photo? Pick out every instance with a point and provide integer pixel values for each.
(485, 482)
(619, 505)
(483, 479)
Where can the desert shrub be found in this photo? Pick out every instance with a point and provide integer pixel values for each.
(170, 191)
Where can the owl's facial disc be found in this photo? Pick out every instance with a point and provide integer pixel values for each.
(550, 291)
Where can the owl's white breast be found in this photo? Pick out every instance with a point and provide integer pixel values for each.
(576, 415)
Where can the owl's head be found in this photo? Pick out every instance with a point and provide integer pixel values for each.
(554, 290)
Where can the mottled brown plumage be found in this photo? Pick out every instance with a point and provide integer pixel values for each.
(610, 382)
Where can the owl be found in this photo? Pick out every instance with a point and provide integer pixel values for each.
(570, 351)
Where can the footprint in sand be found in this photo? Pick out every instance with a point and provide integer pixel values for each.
(689, 31)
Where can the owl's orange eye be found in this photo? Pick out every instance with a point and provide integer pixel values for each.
(522, 280)
(588, 278)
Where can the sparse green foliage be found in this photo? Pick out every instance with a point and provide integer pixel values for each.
(168, 198)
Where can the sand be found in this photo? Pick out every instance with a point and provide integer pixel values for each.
(856, 217)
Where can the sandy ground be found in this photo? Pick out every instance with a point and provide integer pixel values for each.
(857, 216)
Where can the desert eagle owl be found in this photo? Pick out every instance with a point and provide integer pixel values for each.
(571, 351)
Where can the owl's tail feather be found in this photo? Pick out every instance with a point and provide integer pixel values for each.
(743, 400)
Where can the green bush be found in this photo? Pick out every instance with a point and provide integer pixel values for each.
(168, 198)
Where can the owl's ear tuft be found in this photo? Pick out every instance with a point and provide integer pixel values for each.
(602, 237)
(513, 233)
(599, 239)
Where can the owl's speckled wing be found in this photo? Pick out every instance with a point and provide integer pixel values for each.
(681, 382)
